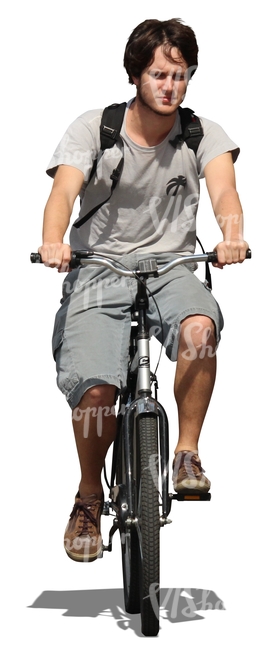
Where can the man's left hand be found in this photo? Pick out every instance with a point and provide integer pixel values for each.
(230, 252)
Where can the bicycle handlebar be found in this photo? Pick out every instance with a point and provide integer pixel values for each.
(84, 258)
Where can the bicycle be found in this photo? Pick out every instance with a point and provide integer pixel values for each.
(139, 484)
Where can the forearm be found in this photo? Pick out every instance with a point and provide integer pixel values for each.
(56, 217)
(66, 187)
(229, 215)
(221, 184)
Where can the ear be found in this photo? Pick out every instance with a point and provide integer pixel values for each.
(136, 81)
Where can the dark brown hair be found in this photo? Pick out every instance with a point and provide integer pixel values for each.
(146, 37)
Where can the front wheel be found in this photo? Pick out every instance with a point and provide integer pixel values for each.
(148, 523)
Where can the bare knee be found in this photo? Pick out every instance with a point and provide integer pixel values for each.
(101, 395)
(197, 337)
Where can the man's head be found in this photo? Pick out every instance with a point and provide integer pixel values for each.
(152, 34)
(160, 58)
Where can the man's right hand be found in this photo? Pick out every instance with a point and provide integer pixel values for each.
(56, 256)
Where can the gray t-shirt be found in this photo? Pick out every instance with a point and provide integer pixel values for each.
(153, 207)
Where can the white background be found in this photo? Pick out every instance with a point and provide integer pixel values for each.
(60, 59)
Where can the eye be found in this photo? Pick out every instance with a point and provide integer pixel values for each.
(157, 74)
(179, 76)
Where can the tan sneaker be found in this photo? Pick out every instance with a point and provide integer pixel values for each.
(82, 538)
(188, 473)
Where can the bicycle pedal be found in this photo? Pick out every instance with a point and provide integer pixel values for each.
(106, 548)
(192, 496)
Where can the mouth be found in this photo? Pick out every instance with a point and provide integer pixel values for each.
(167, 100)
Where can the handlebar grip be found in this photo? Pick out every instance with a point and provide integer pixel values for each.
(212, 257)
(76, 258)
(75, 261)
(35, 258)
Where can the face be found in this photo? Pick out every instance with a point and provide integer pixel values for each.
(162, 86)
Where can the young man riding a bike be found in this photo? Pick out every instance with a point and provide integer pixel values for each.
(152, 213)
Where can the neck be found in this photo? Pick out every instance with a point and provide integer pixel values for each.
(145, 126)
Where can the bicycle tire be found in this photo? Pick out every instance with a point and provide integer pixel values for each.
(148, 515)
(130, 562)
(129, 543)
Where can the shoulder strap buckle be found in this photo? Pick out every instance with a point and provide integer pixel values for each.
(195, 130)
(110, 133)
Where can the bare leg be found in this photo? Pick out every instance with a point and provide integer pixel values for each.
(94, 424)
(194, 379)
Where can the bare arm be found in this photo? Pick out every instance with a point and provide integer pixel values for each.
(66, 187)
(221, 184)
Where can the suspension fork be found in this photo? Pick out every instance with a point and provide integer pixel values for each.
(145, 403)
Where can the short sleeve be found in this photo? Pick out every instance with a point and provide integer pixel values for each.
(214, 143)
(79, 145)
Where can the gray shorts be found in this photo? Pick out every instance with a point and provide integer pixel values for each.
(92, 327)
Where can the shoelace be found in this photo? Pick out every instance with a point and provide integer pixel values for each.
(188, 462)
(88, 516)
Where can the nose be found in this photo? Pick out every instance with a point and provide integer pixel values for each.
(168, 83)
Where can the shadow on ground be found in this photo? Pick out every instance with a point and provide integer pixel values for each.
(178, 605)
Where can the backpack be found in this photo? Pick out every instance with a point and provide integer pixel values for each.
(111, 123)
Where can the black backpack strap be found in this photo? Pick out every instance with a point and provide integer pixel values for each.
(111, 123)
(192, 134)
(192, 130)
(114, 178)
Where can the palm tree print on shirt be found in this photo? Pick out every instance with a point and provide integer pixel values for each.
(175, 183)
